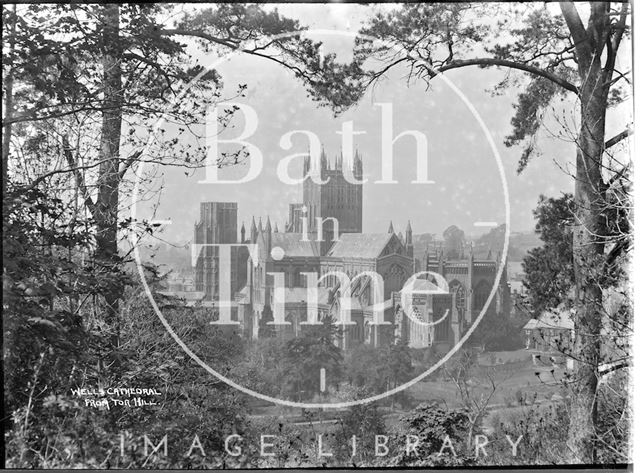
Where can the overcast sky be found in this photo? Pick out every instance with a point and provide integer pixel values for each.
(466, 188)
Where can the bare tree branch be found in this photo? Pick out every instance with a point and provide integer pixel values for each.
(235, 46)
(68, 153)
(618, 138)
(127, 163)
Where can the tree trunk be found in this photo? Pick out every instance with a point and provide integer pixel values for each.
(588, 249)
(8, 106)
(106, 209)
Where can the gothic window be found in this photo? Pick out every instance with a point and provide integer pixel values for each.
(366, 296)
(460, 298)
(453, 286)
(442, 329)
(398, 323)
(395, 278)
(459, 294)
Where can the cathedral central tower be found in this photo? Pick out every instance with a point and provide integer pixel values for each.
(337, 198)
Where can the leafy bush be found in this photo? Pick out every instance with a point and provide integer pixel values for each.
(432, 424)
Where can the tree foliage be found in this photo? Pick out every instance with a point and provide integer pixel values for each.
(548, 269)
(82, 87)
(306, 355)
(571, 51)
(433, 425)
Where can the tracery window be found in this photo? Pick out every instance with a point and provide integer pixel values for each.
(395, 277)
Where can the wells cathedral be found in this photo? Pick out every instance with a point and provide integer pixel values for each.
(334, 210)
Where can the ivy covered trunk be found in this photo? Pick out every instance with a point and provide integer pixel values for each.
(588, 249)
(106, 209)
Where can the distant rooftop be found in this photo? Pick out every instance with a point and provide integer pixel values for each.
(551, 320)
(360, 245)
(293, 245)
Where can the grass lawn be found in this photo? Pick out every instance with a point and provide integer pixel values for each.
(512, 382)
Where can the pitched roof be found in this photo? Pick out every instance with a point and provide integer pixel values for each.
(551, 320)
(243, 296)
(360, 245)
(186, 295)
(423, 285)
(387, 304)
(516, 286)
(293, 245)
